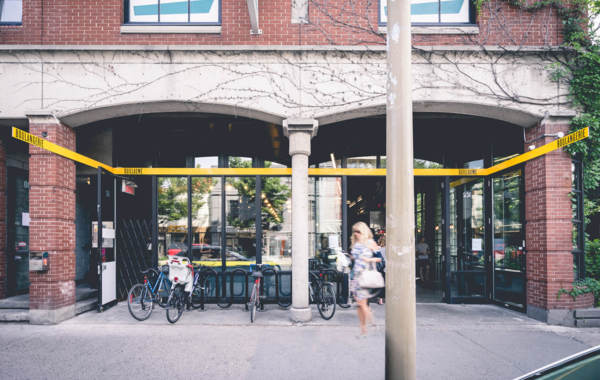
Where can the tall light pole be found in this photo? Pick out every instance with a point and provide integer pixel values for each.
(400, 319)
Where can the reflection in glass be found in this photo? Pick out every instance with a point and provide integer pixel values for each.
(508, 237)
(508, 250)
(325, 218)
(276, 216)
(206, 218)
(366, 162)
(172, 216)
(240, 195)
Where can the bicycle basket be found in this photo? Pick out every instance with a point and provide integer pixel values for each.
(179, 270)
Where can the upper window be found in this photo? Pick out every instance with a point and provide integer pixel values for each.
(11, 11)
(173, 11)
(433, 12)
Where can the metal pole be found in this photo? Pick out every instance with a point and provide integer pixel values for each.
(154, 261)
(400, 325)
(99, 243)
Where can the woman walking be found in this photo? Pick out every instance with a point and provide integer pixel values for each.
(362, 253)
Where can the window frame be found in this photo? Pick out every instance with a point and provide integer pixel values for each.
(10, 23)
(472, 18)
(126, 17)
(578, 219)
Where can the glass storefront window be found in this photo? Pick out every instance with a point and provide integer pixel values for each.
(325, 218)
(276, 216)
(206, 219)
(172, 216)
(240, 203)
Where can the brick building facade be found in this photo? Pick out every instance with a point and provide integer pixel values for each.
(76, 72)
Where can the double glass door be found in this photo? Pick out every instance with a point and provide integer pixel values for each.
(486, 240)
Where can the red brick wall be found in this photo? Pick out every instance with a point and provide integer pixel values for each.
(549, 228)
(3, 258)
(67, 22)
(52, 211)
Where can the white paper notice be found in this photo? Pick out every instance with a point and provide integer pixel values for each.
(476, 245)
(25, 219)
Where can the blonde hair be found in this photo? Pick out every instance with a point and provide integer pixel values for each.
(365, 233)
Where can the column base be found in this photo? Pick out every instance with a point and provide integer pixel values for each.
(560, 317)
(51, 317)
(301, 315)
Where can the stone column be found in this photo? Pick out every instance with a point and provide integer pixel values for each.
(3, 259)
(548, 228)
(52, 226)
(299, 132)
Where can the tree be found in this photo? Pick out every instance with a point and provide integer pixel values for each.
(275, 193)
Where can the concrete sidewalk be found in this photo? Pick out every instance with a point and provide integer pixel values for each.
(453, 342)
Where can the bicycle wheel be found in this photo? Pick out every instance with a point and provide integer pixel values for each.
(326, 301)
(253, 303)
(176, 305)
(200, 292)
(139, 302)
(162, 293)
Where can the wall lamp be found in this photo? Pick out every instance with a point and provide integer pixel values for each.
(557, 135)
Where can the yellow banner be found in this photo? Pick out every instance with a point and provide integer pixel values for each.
(315, 172)
(57, 149)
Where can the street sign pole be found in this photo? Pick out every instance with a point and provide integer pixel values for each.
(400, 320)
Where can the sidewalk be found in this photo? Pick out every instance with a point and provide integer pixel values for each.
(453, 342)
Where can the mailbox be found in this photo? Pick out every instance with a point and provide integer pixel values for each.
(38, 261)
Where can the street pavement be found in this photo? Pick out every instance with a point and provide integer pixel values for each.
(453, 342)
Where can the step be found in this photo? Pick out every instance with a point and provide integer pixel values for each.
(593, 313)
(16, 302)
(86, 305)
(14, 315)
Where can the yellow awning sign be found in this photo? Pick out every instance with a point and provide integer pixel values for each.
(315, 172)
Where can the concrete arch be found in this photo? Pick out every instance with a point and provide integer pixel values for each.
(79, 118)
(508, 114)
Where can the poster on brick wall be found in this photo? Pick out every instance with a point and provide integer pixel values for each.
(432, 12)
(175, 11)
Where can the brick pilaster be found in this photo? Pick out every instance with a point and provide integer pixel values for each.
(52, 227)
(548, 229)
(3, 259)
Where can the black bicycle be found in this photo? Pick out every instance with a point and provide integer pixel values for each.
(322, 293)
(201, 288)
(254, 302)
(154, 289)
(176, 303)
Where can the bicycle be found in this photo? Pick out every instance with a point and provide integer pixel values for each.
(323, 294)
(141, 297)
(254, 301)
(181, 273)
(201, 287)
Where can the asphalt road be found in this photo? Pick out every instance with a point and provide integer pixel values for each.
(453, 342)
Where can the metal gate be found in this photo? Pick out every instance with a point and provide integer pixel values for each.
(134, 237)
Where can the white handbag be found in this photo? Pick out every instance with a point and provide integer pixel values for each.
(370, 278)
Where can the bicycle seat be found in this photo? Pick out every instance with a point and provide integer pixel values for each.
(149, 270)
(257, 274)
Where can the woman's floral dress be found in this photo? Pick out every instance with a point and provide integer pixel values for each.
(360, 252)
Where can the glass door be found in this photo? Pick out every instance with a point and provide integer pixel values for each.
(468, 276)
(509, 255)
(18, 231)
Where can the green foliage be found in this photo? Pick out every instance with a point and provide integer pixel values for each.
(275, 193)
(592, 259)
(172, 196)
(587, 285)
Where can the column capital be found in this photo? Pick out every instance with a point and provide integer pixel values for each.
(306, 125)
